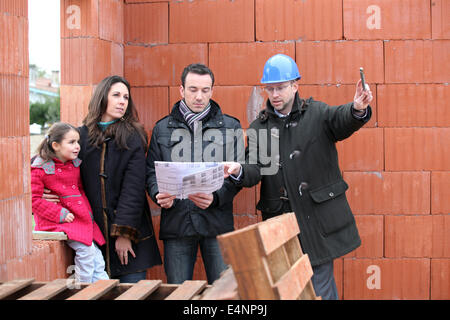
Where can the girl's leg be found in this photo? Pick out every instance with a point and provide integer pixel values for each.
(99, 265)
(84, 261)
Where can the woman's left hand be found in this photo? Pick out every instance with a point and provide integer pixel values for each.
(123, 246)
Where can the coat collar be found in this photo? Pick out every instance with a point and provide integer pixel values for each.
(76, 162)
(299, 106)
(49, 165)
(213, 120)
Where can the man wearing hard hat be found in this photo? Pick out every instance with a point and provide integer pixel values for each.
(308, 179)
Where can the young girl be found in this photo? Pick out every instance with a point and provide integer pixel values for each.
(113, 172)
(56, 167)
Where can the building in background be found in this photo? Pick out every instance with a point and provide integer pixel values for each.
(43, 86)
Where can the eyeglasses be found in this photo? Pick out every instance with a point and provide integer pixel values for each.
(279, 89)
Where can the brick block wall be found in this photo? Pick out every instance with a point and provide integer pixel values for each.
(15, 202)
(397, 166)
(47, 260)
(92, 37)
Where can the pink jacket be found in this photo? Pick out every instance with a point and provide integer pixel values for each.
(64, 180)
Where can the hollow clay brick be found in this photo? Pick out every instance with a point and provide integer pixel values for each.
(413, 105)
(333, 62)
(139, 29)
(416, 61)
(389, 192)
(440, 13)
(362, 151)
(161, 65)
(301, 20)
(243, 63)
(211, 21)
(417, 149)
(386, 279)
(386, 19)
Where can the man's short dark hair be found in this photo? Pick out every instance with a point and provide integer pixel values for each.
(196, 68)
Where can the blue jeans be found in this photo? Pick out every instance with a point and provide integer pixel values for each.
(180, 256)
(133, 277)
(323, 281)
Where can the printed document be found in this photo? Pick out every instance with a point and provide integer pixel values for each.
(185, 178)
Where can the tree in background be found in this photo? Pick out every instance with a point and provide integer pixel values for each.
(45, 112)
(38, 71)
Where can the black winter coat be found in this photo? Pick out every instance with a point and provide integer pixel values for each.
(308, 180)
(184, 218)
(127, 212)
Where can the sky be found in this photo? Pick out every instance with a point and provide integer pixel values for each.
(44, 34)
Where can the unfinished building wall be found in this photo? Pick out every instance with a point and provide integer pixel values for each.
(20, 257)
(15, 201)
(91, 49)
(397, 166)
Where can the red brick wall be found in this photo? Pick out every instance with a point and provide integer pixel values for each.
(15, 204)
(20, 257)
(397, 166)
(92, 35)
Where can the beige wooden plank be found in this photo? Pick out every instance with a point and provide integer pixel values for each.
(224, 288)
(187, 290)
(276, 231)
(278, 264)
(308, 293)
(140, 290)
(238, 249)
(291, 285)
(293, 249)
(10, 287)
(240, 246)
(45, 235)
(95, 290)
(47, 291)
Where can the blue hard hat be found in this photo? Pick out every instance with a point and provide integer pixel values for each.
(280, 68)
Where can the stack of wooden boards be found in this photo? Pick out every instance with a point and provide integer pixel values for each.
(266, 262)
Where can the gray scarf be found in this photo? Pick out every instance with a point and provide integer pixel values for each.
(190, 117)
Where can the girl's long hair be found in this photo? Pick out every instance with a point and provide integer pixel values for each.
(56, 134)
(122, 129)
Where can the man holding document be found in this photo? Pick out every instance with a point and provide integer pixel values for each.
(196, 203)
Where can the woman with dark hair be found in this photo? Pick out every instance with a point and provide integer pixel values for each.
(113, 174)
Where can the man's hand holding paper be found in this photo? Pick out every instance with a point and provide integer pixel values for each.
(165, 200)
(181, 179)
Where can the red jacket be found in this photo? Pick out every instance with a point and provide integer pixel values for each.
(64, 180)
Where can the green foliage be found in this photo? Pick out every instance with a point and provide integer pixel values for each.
(39, 72)
(47, 112)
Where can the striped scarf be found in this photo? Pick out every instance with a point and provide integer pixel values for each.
(191, 117)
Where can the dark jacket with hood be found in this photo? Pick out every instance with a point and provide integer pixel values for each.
(308, 180)
(218, 132)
